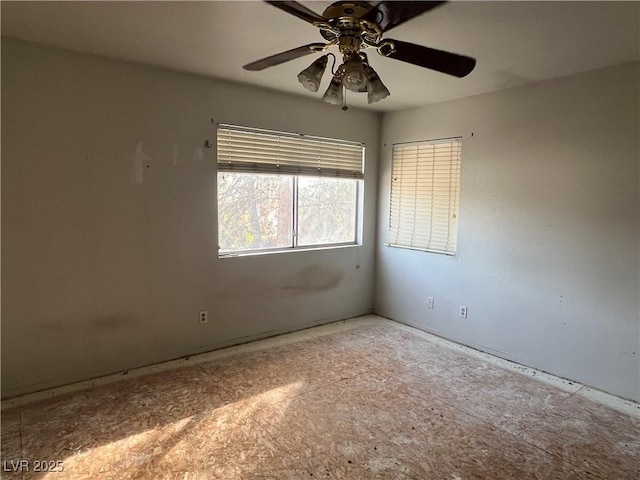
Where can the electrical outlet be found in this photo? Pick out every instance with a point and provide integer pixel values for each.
(430, 302)
(463, 312)
(204, 317)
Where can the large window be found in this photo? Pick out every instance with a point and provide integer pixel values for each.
(425, 189)
(283, 191)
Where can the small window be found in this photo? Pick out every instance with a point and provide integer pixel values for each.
(280, 191)
(425, 190)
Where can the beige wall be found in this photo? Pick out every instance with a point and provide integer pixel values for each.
(548, 241)
(101, 272)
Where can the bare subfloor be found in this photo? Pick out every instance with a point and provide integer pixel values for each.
(372, 402)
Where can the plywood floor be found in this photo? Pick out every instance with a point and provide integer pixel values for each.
(372, 402)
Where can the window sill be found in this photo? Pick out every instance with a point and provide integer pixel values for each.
(423, 250)
(277, 251)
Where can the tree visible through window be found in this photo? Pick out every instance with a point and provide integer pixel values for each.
(278, 191)
(254, 211)
(326, 210)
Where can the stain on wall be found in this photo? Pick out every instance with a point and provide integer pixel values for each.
(67, 326)
(314, 279)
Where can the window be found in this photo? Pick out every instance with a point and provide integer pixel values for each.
(283, 191)
(425, 189)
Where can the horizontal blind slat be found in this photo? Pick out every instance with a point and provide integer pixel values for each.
(252, 150)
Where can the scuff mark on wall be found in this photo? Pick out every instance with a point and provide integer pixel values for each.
(140, 160)
(198, 155)
(176, 152)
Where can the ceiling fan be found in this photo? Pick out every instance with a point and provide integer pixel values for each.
(354, 27)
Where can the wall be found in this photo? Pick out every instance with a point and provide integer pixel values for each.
(548, 243)
(109, 219)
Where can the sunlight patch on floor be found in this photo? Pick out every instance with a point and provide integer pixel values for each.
(192, 444)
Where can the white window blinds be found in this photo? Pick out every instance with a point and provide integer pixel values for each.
(242, 149)
(425, 189)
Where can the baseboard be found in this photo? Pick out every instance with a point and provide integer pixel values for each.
(625, 406)
(248, 344)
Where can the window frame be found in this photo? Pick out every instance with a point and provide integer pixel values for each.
(358, 178)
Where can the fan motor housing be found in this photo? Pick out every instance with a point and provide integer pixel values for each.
(354, 10)
(348, 19)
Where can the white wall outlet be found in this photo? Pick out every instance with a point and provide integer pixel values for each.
(204, 318)
(463, 312)
(430, 302)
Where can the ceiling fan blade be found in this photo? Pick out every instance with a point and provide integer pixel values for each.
(279, 58)
(298, 10)
(389, 14)
(445, 62)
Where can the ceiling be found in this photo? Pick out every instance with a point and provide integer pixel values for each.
(515, 43)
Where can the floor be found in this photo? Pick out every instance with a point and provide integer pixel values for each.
(373, 401)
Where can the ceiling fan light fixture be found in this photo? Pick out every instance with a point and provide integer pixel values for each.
(353, 26)
(376, 90)
(354, 78)
(334, 95)
(311, 76)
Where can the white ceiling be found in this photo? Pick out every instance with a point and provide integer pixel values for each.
(514, 42)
